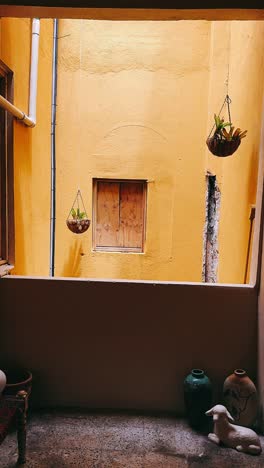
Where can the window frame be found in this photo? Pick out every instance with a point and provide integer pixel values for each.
(7, 247)
(153, 11)
(116, 249)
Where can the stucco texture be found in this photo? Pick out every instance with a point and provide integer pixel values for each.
(119, 344)
(136, 101)
(31, 145)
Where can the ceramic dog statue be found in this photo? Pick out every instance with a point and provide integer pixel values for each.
(240, 438)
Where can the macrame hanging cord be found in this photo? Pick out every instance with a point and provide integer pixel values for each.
(77, 220)
(227, 100)
(77, 201)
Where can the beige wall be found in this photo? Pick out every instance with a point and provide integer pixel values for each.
(110, 344)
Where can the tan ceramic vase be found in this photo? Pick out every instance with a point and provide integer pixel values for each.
(2, 381)
(240, 398)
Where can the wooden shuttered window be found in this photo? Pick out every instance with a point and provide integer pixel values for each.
(6, 172)
(119, 215)
(3, 237)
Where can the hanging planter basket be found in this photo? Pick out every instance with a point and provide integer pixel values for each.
(77, 220)
(220, 147)
(225, 139)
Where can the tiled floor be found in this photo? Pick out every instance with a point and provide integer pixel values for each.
(80, 439)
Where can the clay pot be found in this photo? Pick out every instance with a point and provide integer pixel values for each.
(197, 398)
(78, 226)
(2, 381)
(240, 398)
(17, 380)
(223, 147)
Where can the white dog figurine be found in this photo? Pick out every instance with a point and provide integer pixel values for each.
(240, 438)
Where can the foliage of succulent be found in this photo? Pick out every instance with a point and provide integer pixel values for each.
(223, 134)
(78, 214)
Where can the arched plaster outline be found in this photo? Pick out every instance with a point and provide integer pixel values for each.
(135, 125)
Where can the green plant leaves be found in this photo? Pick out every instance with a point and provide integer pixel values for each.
(78, 214)
(220, 123)
(73, 213)
(222, 133)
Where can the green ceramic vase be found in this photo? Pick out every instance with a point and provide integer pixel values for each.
(197, 398)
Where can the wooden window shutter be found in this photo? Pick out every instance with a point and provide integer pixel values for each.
(119, 215)
(107, 225)
(131, 215)
(7, 241)
(3, 249)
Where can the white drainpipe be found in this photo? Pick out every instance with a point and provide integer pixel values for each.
(30, 119)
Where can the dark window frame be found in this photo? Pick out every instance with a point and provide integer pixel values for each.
(7, 237)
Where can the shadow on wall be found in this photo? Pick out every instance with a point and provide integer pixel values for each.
(72, 266)
(253, 174)
(22, 196)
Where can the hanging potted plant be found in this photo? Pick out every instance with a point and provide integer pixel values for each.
(223, 142)
(77, 220)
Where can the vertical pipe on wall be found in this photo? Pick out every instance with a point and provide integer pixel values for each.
(33, 80)
(53, 146)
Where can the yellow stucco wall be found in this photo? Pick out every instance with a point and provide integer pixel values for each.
(142, 97)
(240, 173)
(129, 106)
(31, 146)
(237, 175)
(136, 100)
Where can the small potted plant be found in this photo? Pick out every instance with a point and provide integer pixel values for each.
(224, 143)
(78, 223)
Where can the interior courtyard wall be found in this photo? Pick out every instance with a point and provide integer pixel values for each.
(31, 145)
(137, 119)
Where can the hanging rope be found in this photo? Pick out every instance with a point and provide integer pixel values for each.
(76, 200)
(79, 104)
(227, 101)
(227, 78)
(77, 220)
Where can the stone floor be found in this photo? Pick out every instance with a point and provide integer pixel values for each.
(115, 440)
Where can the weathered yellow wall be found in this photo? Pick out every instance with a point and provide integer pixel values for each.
(237, 175)
(136, 100)
(31, 146)
(240, 173)
(124, 116)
